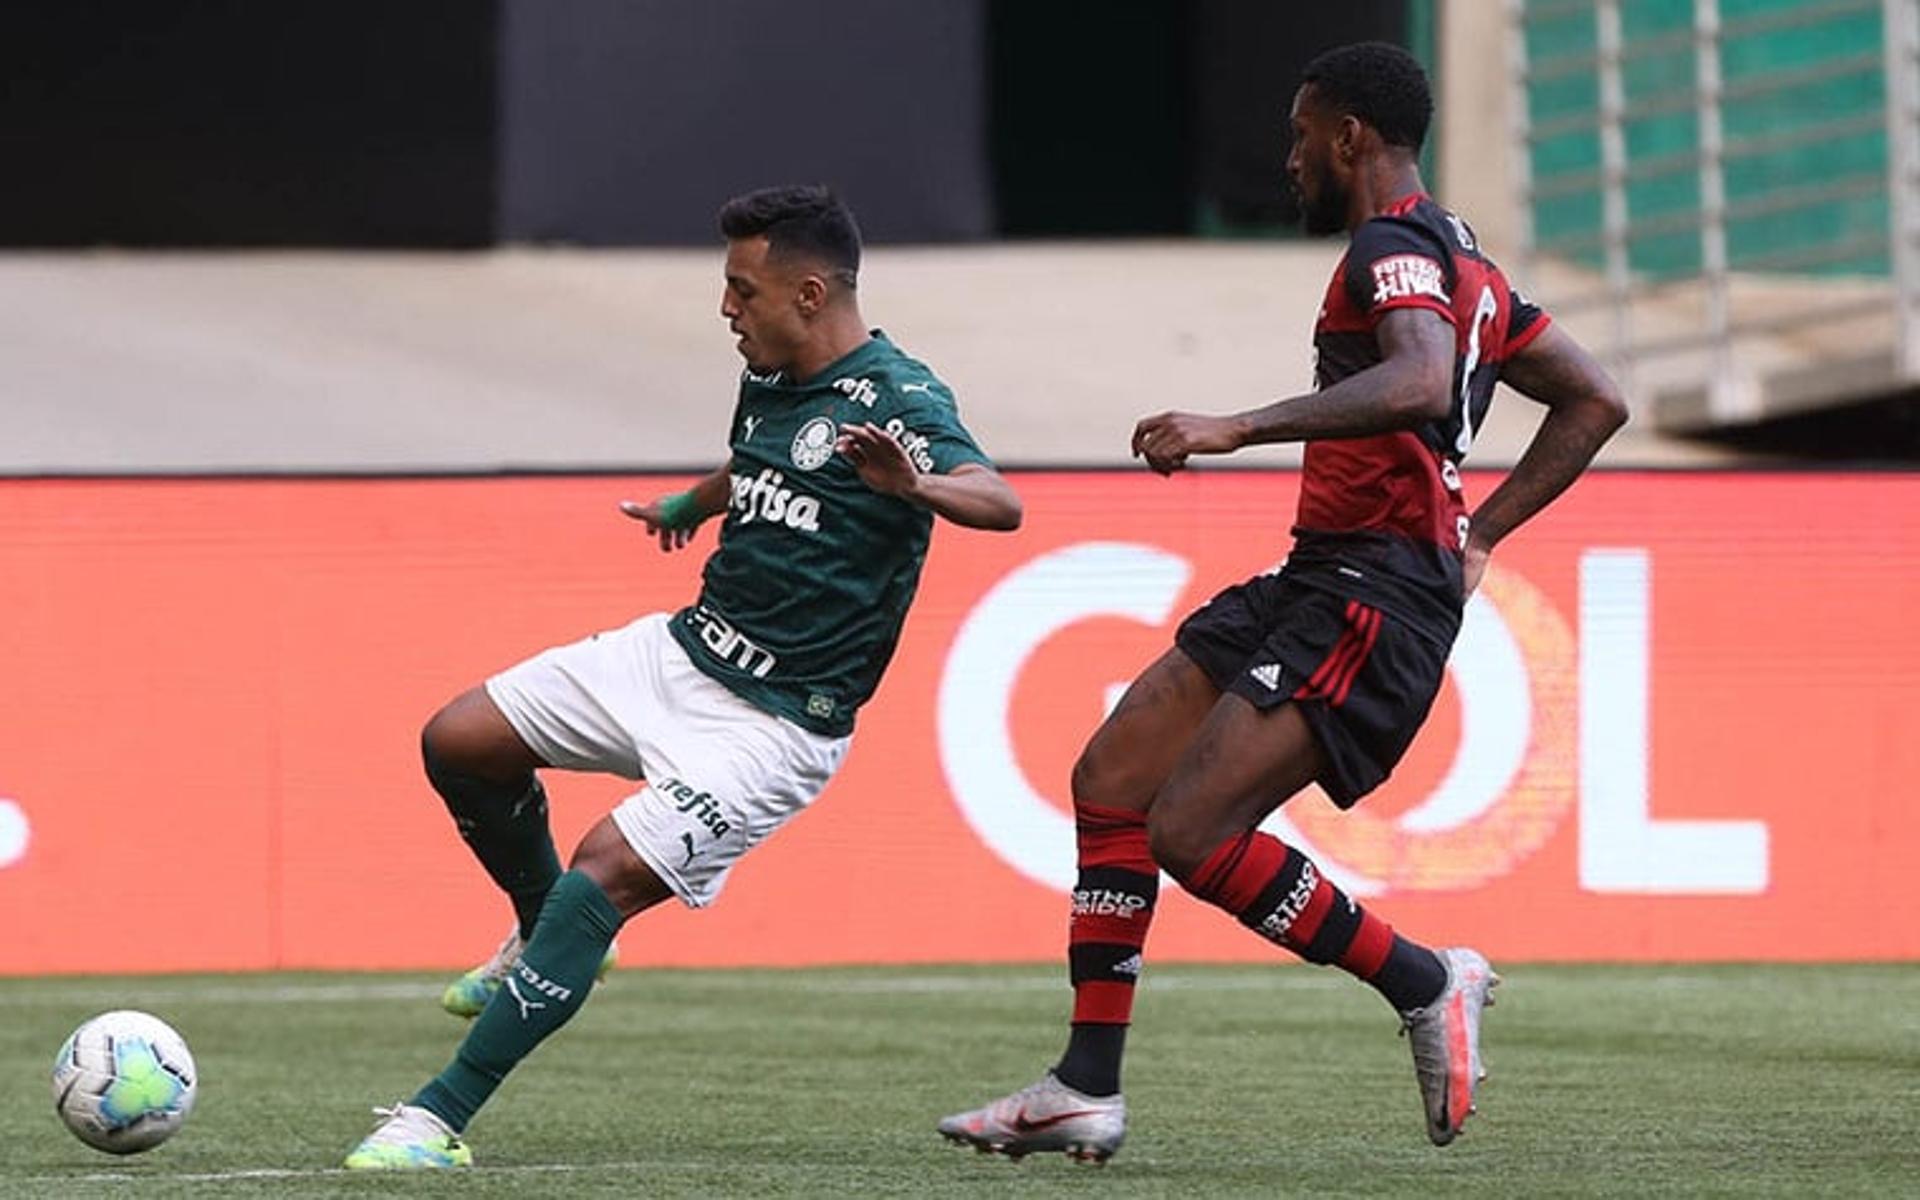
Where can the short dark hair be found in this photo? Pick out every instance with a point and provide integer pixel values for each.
(807, 220)
(1379, 83)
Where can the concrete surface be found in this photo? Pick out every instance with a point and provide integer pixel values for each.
(117, 362)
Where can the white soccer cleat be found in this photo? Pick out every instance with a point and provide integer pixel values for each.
(1044, 1117)
(409, 1138)
(467, 995)
(1445, 1037)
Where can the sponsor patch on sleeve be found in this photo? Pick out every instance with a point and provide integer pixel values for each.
(1400, 276)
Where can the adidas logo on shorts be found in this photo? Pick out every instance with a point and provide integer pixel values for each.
(1268, 674)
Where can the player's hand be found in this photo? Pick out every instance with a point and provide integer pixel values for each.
(881, 461)
(1167, 439)
(670, 539)
(1474, 568)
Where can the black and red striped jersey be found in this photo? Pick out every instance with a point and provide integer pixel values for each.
(1394, 499)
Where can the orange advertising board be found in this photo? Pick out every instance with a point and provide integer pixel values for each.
(1679, 724)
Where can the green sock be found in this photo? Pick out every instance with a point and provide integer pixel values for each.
(556, 971)
(505, 825)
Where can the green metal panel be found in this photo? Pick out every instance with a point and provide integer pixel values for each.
(1804, 73)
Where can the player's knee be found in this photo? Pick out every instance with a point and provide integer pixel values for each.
(475, 786)
(443, 749)
(469, 739)
(1103, 780)
(1085, 782)
(443, 758)
(1178, 848)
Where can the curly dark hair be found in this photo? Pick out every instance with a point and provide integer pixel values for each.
(1379, 83)
(801, 220)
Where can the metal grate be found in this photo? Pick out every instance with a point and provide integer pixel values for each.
(1670, 146)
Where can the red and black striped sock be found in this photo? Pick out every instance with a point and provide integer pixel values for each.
(1112, 910)
(1277, 892)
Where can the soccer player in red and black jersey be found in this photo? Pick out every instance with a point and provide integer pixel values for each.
(1321, 672)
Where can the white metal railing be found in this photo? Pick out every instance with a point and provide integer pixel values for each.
(1730, 393)
(1901, 33)
(1614, 219)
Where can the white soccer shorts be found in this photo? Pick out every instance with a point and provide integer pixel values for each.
(720, 775)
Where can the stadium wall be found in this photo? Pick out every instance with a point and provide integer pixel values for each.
(226, 123)
(626, 122)
(468, 123)
(1677, 726)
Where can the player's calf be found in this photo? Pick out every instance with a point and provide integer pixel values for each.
(1280, 894)
(505, 825)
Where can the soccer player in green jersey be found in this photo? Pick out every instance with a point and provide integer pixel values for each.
(735, 711)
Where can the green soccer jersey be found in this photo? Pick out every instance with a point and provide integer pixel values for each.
(801, 605)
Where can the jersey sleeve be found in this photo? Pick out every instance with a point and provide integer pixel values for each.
(1395, 264)
(1525, 321)
(927, 423)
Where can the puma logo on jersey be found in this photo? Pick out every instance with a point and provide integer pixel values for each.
(1399, 276)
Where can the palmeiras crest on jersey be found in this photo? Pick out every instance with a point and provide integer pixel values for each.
(813, 445)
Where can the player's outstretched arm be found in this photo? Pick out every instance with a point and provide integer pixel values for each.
(971, 494)
(673, 518)
(1410, 385)
(1584, 408)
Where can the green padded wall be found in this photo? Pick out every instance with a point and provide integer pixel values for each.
(1807, 73)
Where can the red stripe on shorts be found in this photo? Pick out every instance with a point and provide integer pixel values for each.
(1369, 633)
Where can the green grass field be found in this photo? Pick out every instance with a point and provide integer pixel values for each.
(1733, 1081)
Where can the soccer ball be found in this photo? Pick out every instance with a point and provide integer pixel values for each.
(124, 1082)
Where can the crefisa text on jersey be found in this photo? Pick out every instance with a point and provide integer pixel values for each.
(763, 498)
(916, 445)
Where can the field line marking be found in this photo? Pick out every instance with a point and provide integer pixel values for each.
(246, 1173)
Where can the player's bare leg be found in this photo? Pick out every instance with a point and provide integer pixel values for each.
(1130, 757)
(1242, 764)
(1077, 1108)
(605, 857)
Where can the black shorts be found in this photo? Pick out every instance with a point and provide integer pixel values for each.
(1363, 678)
